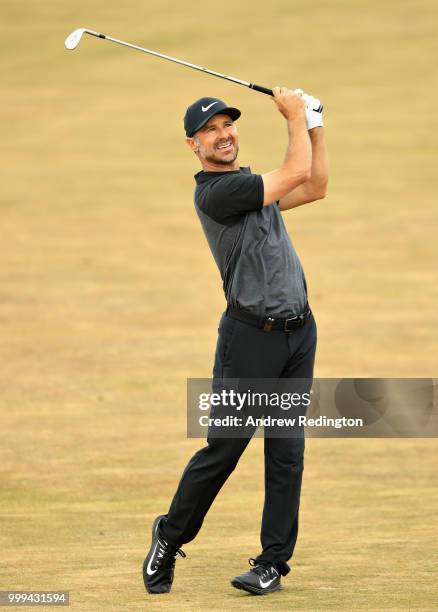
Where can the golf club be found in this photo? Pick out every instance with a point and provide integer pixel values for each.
(73, 40)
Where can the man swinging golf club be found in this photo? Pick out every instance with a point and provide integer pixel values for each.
(267, 330)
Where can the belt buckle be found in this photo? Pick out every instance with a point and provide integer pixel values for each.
(295, 319)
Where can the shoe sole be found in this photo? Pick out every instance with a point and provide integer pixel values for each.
(254, 590)
(157, 592)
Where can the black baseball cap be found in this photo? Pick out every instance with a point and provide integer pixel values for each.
(204, 109)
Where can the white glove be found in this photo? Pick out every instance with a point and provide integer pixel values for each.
(313, 116)
(313, 119)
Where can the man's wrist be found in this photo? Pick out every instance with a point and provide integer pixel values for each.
(297, 121)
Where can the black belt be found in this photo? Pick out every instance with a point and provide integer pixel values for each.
(269, 323)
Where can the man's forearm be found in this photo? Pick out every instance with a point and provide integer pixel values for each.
(298, 157)
(296, 168)
(316, 187)
(319, 172)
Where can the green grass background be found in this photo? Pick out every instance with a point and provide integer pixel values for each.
(109, 298)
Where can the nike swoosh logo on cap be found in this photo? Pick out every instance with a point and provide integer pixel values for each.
(205, 108)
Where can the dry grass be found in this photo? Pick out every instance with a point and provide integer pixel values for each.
(109, 298)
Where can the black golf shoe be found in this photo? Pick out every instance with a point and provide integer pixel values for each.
(261, 579)
(159, 565)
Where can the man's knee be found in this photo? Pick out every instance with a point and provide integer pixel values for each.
(226, 451)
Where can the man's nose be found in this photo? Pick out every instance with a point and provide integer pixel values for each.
(223, 133)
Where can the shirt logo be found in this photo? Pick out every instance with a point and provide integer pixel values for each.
(205, 108)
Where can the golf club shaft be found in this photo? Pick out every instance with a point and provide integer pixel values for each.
(259, 88)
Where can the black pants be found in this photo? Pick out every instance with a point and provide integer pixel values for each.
(244, 351)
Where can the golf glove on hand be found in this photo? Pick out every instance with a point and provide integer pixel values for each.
(313, 117)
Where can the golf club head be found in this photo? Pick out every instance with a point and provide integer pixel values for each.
(72, 41)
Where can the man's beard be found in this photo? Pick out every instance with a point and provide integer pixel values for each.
(224, 162)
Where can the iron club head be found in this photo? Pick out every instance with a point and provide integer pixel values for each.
(73, 39)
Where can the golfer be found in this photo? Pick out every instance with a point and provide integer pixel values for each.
(267, 330)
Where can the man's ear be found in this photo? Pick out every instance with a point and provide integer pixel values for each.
(192, 144)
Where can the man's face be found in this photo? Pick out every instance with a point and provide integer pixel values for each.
(217, 142)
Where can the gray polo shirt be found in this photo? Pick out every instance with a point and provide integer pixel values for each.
(258, 264)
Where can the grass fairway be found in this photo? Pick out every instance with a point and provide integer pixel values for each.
(109, 298)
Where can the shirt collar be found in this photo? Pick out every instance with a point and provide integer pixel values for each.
(203, 177)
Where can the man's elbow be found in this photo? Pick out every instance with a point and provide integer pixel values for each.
(319, 195)
(320, 191)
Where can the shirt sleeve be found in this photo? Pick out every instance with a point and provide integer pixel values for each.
(230, 197)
